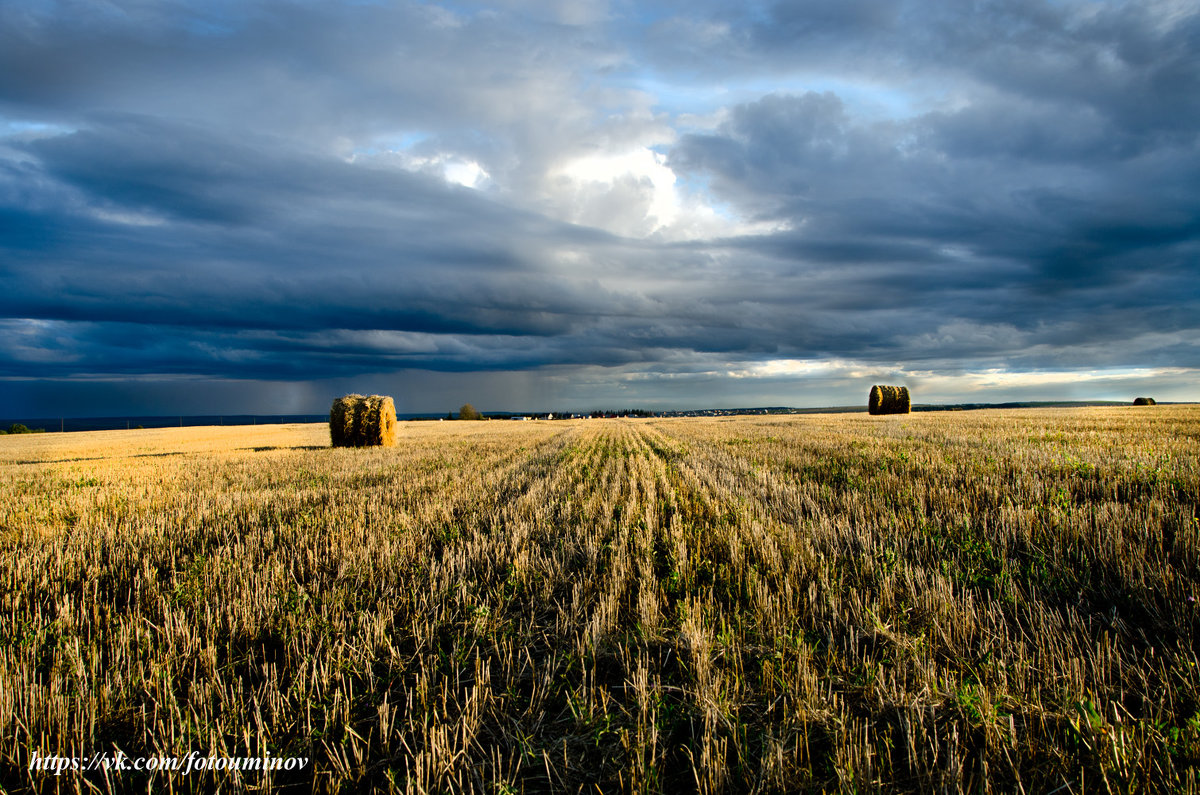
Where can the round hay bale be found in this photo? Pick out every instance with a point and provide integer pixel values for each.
(889, 400)
(362, 421)
(1144, 401)
(341, 419)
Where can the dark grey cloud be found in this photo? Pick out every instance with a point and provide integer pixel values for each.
(179, 225)
(268, 192)
(897, 192)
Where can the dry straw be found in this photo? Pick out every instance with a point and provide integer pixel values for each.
(1144, 401)
(362, 421)
(889, 400)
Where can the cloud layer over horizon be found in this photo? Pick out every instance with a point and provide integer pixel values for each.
(572, 204)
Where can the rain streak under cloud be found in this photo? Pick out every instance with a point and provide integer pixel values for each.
(218, 207)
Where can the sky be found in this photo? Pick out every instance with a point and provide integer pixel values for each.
(255, 206)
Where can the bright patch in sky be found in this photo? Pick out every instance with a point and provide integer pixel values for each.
(453, 168)
(128, 218)
(635, 193)
(797, 368)
(467, 173)
(17, 127)
(1005, 379)
(643, 165)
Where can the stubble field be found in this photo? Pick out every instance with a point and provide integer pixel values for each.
(981, 601)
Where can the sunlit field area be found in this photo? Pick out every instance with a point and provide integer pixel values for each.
(992, 601)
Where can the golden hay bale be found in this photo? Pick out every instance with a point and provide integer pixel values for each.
(362, 421)
(889, 400)
(341, 417)
(1144, 401)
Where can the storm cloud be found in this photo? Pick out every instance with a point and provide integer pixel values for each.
(572, 204)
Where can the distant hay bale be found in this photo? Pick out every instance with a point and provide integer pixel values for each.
(889, 400)
(362, 421)
(1144, 401)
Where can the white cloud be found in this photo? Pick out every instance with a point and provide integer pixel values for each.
(798, 368)
(127, 218)
(465, 172)
(453, 168)
(635, 193)
(630, 193)
(817, 382)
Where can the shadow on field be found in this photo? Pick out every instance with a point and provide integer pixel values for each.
(94, 458)
(276, 447)
(58, 460)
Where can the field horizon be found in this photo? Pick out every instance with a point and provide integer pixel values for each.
(984, 601)
(77, 424)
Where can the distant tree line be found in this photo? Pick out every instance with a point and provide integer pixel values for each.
(17, 427)
(622, 413)
(469, 412)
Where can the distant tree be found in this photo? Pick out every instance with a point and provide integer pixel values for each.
(449, 415)
(17, 427)
(468, 412)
